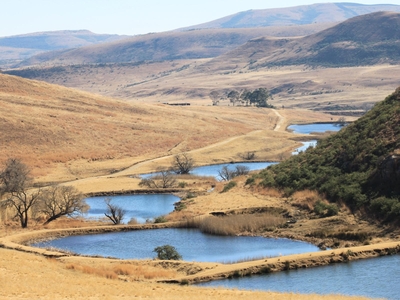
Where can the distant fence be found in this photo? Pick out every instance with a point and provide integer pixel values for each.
(178, 104)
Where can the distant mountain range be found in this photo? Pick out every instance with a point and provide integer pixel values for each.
(221, 36)
(18, 47)
(363, 40)
(297, 15)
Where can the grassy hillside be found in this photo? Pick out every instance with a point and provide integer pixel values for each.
(358, 166)
(297, 15)
(55, 128)
(167, 46)
(363, 40)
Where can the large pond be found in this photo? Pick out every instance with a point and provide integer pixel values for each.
(140, 207)
(375, 277)
(192, 244)
(316, 127)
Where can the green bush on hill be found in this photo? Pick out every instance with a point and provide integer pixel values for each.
(359, 166)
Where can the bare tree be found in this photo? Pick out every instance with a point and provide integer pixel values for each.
(162, 180)
(183, 163)
(249, 155)
(114, 212)
(14, 183)
(60, 201)
(227, 174)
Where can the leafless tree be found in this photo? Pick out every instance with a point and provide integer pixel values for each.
(227, 174)
(249, 155)
(162, 180)
(114, 212)
(14, 184)
(60, 201)
(183, 163)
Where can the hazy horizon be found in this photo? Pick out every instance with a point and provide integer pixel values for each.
(127, 17)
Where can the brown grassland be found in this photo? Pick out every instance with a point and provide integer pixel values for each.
(99, 144)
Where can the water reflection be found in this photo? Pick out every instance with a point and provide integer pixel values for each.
(192, 244)
(315, 127)
(140, 207)
(375, 277)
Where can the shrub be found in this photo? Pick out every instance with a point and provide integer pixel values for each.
(229, 186)
(160, 219)
(326, 210)
(167, 252)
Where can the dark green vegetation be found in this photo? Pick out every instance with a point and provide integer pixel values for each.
(358, 166)
(167, 252)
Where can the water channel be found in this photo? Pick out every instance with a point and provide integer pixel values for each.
(373, 277)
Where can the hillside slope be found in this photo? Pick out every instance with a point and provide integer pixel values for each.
(167, 46)
(49, 126)
(364, 40)
(359, 166)
(297, 15)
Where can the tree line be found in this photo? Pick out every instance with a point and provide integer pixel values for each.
(258, 97)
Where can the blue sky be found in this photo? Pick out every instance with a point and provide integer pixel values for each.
(128, 16)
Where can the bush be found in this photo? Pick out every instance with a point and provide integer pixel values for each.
(167, 252)
(326, 210)
(160, 219)
(229, 186)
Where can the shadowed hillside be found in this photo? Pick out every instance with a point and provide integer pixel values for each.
(359, 166)
(364, 40)
(297, 15)
(167, 46)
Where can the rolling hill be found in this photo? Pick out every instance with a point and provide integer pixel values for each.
(297, 15)
(172, 45)
(51, 127)
(358, 166)
(20, 47)
(363, 40)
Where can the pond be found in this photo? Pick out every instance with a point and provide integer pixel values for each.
(192, 244)
(375, 277)
(140, 207)
(315, 127)
(212, 170)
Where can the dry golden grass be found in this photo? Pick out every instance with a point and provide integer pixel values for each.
(301, 86)
(64, 134)
(237, 224)
(306, 199)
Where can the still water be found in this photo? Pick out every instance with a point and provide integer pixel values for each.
(192, 244)
(310, 128)
(140, 207)
(375, 277)
(212, 170)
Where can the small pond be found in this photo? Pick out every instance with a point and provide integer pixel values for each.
(212, 170)
(375, 277)
(140, 207)
(192, 244)
(315, 127)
